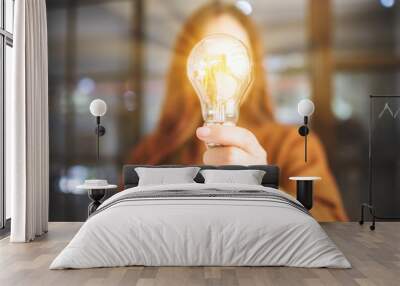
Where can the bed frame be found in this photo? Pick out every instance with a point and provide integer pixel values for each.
(270, 179)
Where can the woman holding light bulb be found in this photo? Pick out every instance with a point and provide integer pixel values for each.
(180, 137)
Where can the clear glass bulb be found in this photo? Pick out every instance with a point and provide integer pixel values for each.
(220, 70)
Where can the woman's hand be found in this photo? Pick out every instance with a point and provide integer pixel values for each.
(238, 146)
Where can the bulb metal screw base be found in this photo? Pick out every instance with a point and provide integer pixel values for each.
(213, 145)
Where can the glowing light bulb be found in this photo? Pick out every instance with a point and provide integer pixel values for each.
(220, 70)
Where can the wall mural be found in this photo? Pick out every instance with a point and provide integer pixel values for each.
(115, 50)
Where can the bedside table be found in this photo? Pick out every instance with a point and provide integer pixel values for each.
(96, 194)
(304, 192)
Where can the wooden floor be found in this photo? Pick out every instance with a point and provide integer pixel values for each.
(375, 257)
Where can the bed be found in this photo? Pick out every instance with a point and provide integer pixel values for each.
(201, 224)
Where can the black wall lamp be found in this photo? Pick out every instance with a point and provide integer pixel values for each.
(98, 108)
(305, 108)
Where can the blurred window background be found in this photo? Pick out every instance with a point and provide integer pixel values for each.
(336, 52)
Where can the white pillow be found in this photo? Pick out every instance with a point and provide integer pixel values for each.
(248, 177)
(163, 176)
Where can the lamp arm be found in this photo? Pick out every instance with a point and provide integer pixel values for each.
(100, 131)
(305, 148)
(305, 138)
(303, 131)
(98, 138)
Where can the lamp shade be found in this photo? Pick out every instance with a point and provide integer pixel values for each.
(98, 107)
(305, 107)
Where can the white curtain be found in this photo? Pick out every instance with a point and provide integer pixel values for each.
(27, 144)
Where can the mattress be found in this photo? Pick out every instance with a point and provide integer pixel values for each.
(201, 225)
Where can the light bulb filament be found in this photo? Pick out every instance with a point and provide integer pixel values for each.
(217, 79)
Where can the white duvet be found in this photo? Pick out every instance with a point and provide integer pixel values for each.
(192, 231)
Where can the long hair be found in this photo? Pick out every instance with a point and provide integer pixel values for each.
(181, 113)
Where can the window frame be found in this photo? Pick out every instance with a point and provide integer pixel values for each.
(6, 39)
